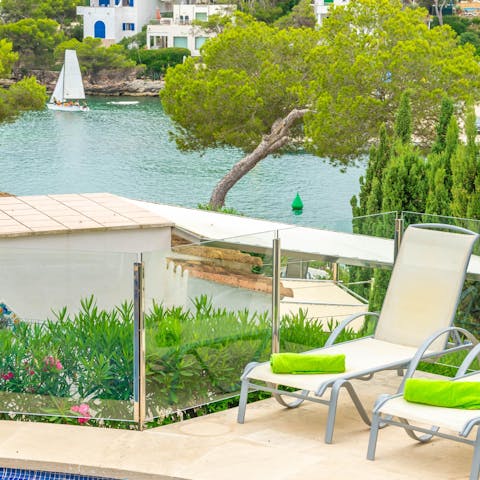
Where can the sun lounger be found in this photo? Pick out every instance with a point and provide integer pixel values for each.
(451, 423)
(415, 322)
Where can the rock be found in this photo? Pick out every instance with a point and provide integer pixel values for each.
(109, 83)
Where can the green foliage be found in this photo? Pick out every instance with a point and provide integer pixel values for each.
(215, 23)
(257, 70)
(62, 11)
(371, 52)
(267, 11)
(158, 61)
(7, 58)
(93, 57)
(403, 120)
(471, 37)
(229, 210)
(446, 114)
(458, 24)
(138, 40)
(192, 357)
(24, 95)
(34, 40)
(465, 172)
(302, 15)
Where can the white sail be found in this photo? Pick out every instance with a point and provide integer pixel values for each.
(69, 86)
(57, 94)
(72, 82)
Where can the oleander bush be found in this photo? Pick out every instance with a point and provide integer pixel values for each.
(81, 365)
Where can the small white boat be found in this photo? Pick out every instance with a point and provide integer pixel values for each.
(69, 87)
(124, 102)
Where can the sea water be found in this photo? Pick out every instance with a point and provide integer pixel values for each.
(126, 149)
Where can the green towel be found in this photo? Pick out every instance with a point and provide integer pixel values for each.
(305, 363)
(443, 393)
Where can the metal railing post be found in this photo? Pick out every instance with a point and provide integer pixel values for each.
(335, 272)
(276, 294)
(139, 394)
(397, 239)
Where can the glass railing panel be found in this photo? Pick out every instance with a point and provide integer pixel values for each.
(66, 335)
(415, 217)
(376, 225)
(313, 303)
(207, 314)
(326, 277)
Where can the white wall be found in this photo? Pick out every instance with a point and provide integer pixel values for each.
(180, 27)
(93, 14)
(115, 15)
(321, 8)
(44, 272)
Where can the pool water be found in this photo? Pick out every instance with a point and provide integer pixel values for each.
(20, 474)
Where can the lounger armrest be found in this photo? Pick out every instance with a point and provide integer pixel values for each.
(474, 353)
(248, 368)
(419, 355)
(339, 329)
(383, 399)
(474, 422)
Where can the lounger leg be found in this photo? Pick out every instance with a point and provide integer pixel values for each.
(372, 442)
(242, 405)
(475, 471)
(332, 411)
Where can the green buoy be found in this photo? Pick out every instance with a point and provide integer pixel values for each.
(297, 204)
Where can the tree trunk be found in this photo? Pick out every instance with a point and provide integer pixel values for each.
(439, 10)
(271, 143)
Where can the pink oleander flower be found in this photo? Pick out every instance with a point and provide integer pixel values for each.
(51, 361)
(84, 410)
(7, 376)
(31, 372)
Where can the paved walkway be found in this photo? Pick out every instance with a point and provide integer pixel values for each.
(273, 443)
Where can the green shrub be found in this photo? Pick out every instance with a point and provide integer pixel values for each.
(193, 357)
(157, 61)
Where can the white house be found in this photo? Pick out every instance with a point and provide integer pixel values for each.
(179, 31)
(321, 8)
(113, 20)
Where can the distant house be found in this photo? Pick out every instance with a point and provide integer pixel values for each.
(113, 20)
(469, 9)
(322, 7)
(179, 31)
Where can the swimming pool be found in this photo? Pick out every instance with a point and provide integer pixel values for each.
(20, 474)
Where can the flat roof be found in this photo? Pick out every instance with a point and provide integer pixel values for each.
(54, 214)
(298, 242)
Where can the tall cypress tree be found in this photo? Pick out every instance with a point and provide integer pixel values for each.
(439, 197)
(446, 112)
(403, 120)
(465, 166)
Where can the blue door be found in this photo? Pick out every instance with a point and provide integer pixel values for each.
(99, 29)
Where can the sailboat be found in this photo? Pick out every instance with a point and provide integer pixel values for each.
(69, 88)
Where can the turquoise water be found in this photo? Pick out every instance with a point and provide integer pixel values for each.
(125, 149)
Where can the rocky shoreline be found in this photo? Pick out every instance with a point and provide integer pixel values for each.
(110, 84)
